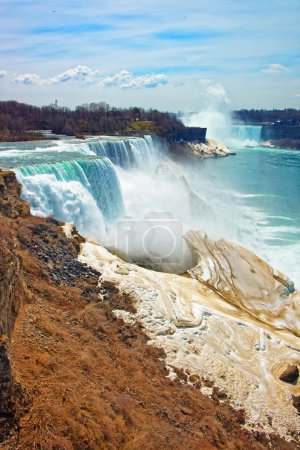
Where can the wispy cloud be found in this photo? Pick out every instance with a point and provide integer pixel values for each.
(83, 74)
(190, 35)
(78, 28)
(275, 69)
(127, 80)
(297, 95)
(2, 73)
(28, 78)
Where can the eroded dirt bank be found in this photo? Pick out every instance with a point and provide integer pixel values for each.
(83, 378)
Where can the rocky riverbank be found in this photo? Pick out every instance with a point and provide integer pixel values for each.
(98, 353)
(292, 144)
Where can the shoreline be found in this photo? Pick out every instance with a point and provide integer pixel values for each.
(288, 144)
(27, 138)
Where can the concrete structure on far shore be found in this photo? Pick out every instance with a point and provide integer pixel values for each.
(189, 134)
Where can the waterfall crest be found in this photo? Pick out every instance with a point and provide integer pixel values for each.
(134, 152)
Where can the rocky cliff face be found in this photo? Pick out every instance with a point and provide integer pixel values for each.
(10, 290)
(80, 320)
(11, 204)
(11, 281)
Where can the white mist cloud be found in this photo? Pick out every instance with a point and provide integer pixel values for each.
(3, 73)
(213, 92)
(275, 69)
(213, 112)
(127, 80)
(297, 95)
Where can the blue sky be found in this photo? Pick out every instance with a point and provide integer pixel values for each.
(159, 53)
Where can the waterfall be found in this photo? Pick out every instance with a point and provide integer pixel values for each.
(134, 152)
(84, 191)
(246, 134)
(68, 181)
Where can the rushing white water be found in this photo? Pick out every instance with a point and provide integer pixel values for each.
(14, 154)
(85, 192)
(140, 202)
(96, 175)
(67, 180)
(245, 135)
(135, 152)
(124, 152)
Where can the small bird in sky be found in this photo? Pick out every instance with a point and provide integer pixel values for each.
(53, 11)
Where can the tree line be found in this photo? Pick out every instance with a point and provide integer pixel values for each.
(258, 116)
(93, 118)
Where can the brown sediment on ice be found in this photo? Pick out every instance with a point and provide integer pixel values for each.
(232, 320)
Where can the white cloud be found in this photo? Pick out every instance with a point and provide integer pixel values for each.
(83, 74)
(79, 73)
(127, 80)
(275, 69)
(297, 95)
(2, 73)
(28, 78)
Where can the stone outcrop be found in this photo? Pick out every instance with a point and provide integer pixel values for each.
(199, 150)
(12, 288)
(11, 204)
